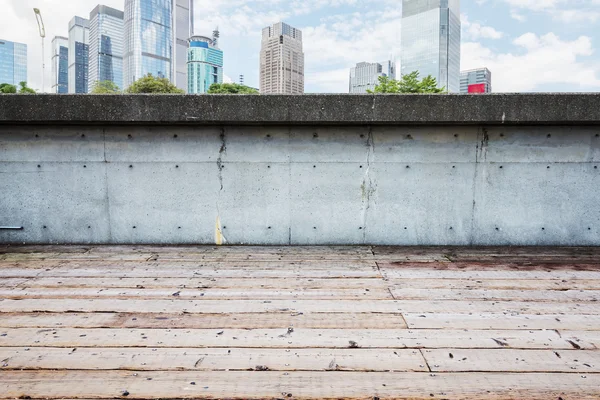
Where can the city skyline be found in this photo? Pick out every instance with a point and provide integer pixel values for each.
(547, 48)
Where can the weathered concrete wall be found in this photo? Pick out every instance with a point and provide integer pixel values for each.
(526, 183)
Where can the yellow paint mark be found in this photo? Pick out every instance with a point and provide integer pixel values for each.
(219, 238)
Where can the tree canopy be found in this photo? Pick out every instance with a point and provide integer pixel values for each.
(105, 87)
(25, 89)
(409, 83)
(151, 84)
(230, 88)
(7, 88)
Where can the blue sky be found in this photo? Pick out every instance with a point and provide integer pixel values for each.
(530, 45)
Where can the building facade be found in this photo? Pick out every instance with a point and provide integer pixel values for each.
(60, 65)
(148, 40)
(476, 81)
(106, 46)
(205, 64)
(431, 40)
(281, 60)
(365, 76)
(13, 62)
(183, 22)
(79, 40)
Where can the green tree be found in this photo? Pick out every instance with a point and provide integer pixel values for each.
(230, 88)
(151, 84)
(24, 89)
(7, 88)
(105, 87)
(409, 83)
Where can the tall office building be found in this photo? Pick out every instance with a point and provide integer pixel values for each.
(431, 40)
(60, 65)
(148, 40)
(183, 22)
(476, 81)
(79, 39)
(106, 46)
(13, 62)
(281, 60)
(365, 76)
(205, 63)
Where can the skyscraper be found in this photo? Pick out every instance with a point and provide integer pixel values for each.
(365, 76)
(60, 65)
(281, 60)
(106, 46)
(13, 62)
(205, 63)
(431, 40)
(183, 21)
(148, 40)
(476, 81)
(79, 39)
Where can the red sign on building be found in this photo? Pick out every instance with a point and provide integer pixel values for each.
(477, 88)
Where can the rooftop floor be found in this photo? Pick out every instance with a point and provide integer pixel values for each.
(299, 323)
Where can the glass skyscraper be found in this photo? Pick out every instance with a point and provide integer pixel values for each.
(106, 46)
(183, 22)
(365, 76)
(431, 40)
(205, 64)
(13, 62)
(60, 65)
(79, 39)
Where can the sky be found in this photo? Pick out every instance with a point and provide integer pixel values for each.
(529, 45)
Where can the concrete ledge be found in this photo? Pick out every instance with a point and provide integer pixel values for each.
(330, 109)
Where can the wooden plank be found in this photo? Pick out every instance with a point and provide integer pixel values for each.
(296, 385)
(305, 306)
(496, 295)
(204, 321)
(176, 272)
(423, 273)
(194, 359)
(198, 282)
(281, 338)
(207, 294)
(582, 339)
(499, 284)
(502, 321)
(509, 360)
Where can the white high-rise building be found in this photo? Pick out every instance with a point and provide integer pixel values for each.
(281, 60)
(106, 46)
(476, 81)
(183, 22)
(60, 65)
(79, 39)
(365, 76)
(431, 40)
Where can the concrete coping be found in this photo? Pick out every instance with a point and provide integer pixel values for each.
(310, 109)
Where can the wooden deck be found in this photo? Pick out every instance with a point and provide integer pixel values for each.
(299, 323)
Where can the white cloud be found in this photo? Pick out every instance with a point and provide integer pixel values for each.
(543, 60)
(475, 31)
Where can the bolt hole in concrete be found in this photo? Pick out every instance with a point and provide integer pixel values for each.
(45, 227)
(134, 227)
(549, 136)
(314, 227)
(268, 227)
(131, 166)
(543, 229)
(177, 166)
(175, 136)
(268, 136)
(268, 166)
(129, 137)
(85, 166)
(89, 227)
(501, 167)
(83, 135)
(405, 228)
(224, 227)
(39, 166)
(362, 136)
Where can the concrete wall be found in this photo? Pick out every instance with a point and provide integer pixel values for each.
(401, 184)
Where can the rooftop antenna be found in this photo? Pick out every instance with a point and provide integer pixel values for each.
(241, 79)
(216, 36)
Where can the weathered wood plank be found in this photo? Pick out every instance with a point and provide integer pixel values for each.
(492, 273)
(198, 282)
(502, 321)
(225, 294)
(297, 385)
(509, 360)
(582, 339)
(499, 284)
(281, 338)
(194, 359)
(305, 306)
(204, 321)
(196, 272)
(494, 294)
